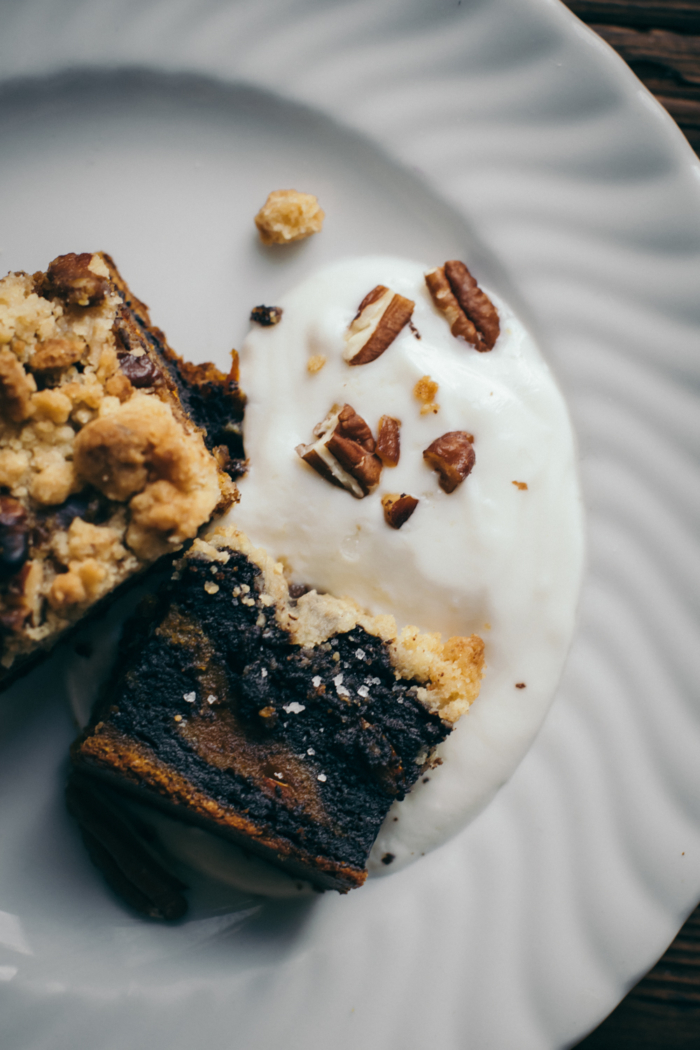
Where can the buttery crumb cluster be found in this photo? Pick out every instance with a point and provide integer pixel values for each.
(287, 216)
(345, 452)
(101, 470)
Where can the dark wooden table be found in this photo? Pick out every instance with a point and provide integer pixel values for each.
(660, 40)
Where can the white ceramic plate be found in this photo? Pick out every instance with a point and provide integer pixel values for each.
(423, 125)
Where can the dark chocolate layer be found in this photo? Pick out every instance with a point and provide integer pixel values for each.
(313, 744)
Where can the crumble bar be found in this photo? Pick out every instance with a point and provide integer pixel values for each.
(286, 724)
(113, 451)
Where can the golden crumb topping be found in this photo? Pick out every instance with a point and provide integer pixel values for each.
(79, 439)
(287, 216)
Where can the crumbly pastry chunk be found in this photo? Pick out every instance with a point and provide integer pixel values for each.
(113, 451)
(286, 724)
(287, 216)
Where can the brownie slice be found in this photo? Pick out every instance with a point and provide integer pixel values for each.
(288, 725)
(113, 451)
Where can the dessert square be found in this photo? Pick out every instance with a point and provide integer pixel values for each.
(113, 451)
(288, 723)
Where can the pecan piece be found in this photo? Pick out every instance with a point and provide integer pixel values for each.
(266, 315)
(470, 313)
(70, 277)
(452, 456)
(344, 452)
(398, 508)
(380, 317)
(389, 441)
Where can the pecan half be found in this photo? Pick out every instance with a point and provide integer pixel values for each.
(344, 452)
(470, 313)
(474, 302)
(380, 317)
(398, 508)
(452, 456)
(70, 278)
(389, 441)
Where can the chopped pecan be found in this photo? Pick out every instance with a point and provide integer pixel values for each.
(69, 277)
(469, 311)
(266, 315)
(452, 456)
(389, 441)
(14, 537)
(398, 508)
(380, 317)
(344, 452)
(56, 353)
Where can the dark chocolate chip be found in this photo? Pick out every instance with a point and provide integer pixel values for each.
(140, 371)
(77, 506)
(266, 315)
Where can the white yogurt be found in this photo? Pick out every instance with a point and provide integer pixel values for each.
(490, 558)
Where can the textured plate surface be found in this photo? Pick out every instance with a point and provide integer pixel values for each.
(518, 130)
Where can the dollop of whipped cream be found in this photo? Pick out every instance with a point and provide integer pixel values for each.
(501, 556)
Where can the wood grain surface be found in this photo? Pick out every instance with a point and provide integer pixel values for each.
(660, 40)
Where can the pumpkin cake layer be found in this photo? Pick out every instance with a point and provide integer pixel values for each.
(288, 725)
(113, 451)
